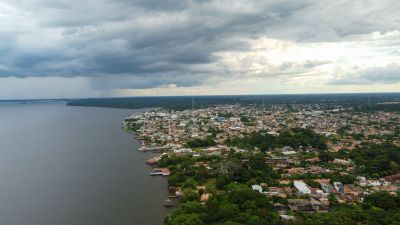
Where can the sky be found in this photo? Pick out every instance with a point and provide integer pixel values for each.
(110, 48)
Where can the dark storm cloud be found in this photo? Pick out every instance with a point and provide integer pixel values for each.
(149, 43)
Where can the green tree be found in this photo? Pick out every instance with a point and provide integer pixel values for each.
(185, 219)
(382, 200)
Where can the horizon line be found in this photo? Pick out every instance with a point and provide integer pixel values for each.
(215, 95)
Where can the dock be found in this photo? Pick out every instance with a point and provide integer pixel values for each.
(152, 149)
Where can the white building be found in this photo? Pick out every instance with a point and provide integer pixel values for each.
(301, 187)
(257, 188)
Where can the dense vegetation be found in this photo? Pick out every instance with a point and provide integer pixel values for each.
(232, 201)
(228, 179)
(249, 207)
(377, 208)
(134, 125)
(294, 138)
(197, 142)
(185, 102)
(377, 160)
(237, 207)
(378, 107)
(371, 160)
(225, 172)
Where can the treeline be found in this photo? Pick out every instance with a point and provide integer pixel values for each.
(185, 102)
(378, 107)
(294, 138)
(170, 103)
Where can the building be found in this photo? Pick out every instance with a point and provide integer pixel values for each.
(301, 187)
(257, 188)
(276, 160)
(306, 205)
(392, 178)
(338, 187)
(326, 187)
(343, 162)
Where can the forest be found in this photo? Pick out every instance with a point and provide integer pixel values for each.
(364, 102)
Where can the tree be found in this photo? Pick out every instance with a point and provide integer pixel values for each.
(231, 223)
(222, 180)
(382, 200)
(185, 219)
(332, 200)
(197, 143)
(257, 162)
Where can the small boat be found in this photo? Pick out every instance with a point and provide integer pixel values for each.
(156, 172)
(160, 171)
(168, 203)
(151, 162)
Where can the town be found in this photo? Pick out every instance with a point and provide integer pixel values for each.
(306, 159)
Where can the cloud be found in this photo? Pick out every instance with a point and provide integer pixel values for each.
(40, 87)
(136, 44)
(376, 75)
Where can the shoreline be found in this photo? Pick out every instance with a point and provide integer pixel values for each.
(155, 154)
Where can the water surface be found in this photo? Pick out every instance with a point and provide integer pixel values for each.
(73, 165)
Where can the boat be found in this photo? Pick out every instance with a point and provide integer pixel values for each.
(151, 162)
(160, 171)
(168, 203)
(156, 172)
(152, 148)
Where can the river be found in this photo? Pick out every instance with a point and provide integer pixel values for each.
(74, 166)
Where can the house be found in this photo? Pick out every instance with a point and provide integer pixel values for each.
(350, 189)
(326, 187)
(281, 209)
(204, 197)
(257, 187)
(338, 186)
(284, 182)
(301, 187)
(295, 170)
(307, 205)
(392, 178)
(390, 188)
(286, 149)
(342, 162)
